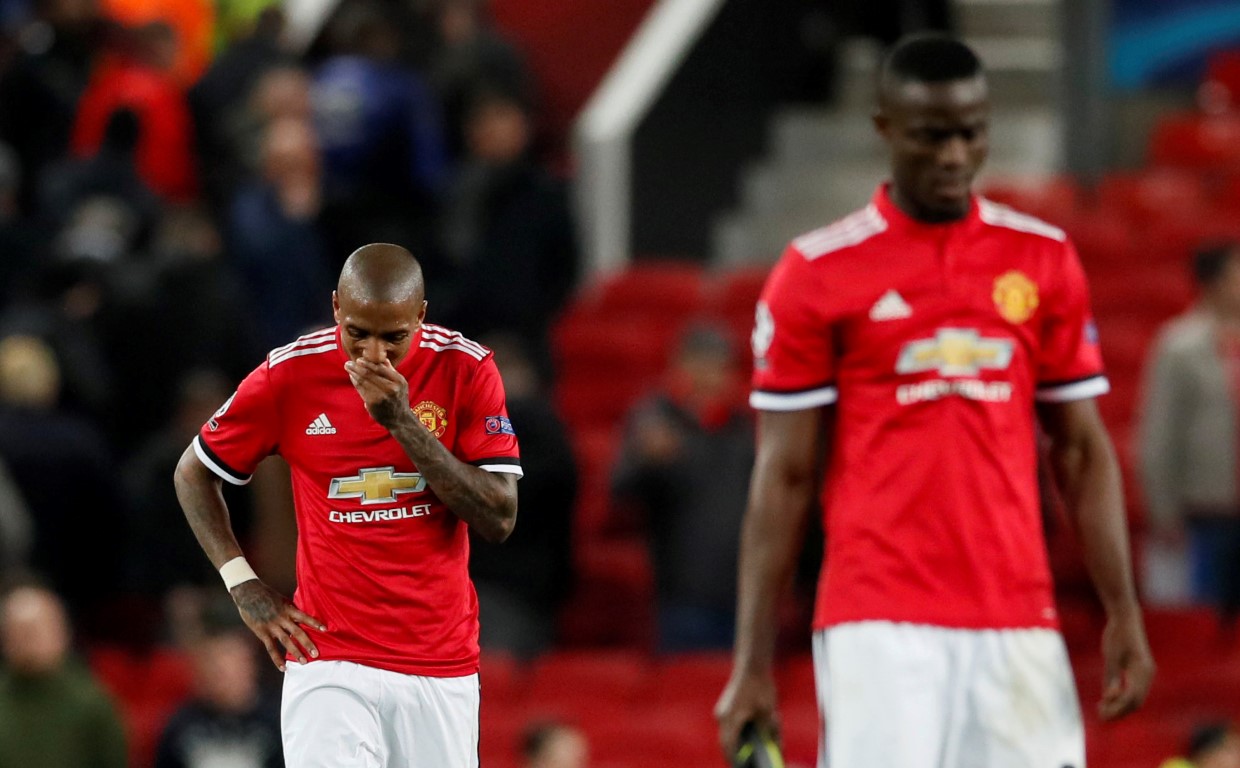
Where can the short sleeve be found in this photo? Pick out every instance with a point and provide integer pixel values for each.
(793, 346)
(486, 437)
(243, 432)
(1070, 361)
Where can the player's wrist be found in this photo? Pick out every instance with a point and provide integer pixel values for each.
(1122, 608)
(237, 571)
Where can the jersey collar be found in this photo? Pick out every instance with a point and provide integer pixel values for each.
(898, 219)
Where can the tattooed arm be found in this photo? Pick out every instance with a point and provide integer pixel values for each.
(268, 614)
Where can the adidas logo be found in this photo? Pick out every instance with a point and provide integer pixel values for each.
(320, 426)
(891, 306)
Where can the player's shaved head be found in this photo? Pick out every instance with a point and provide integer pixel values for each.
(379, 303)
(381, 273)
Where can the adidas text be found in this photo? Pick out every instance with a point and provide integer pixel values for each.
(321, 426)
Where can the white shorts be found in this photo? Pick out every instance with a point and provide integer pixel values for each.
(337, 714)
(913, 696)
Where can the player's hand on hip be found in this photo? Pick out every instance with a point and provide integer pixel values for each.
(1129, 666)
(384, 391)
(747, 696)
(276, 622)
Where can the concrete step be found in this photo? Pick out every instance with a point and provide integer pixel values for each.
(982, 18)
(818, 135)
(749, 238)
(777, 187)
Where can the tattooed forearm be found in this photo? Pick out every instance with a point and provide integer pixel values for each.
(485, 500)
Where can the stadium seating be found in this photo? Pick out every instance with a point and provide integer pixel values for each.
(1201, 142)
(1223, 73)
(148, 688)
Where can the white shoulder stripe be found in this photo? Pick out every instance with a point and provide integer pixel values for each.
(301, 341)
(998, 215)
(437, 333)
(432, 344)
(275, 360)
(851, 230)
(831, 231)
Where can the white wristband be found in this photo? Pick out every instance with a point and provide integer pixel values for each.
(236, 571)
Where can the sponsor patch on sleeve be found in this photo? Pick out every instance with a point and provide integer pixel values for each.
(499, 425)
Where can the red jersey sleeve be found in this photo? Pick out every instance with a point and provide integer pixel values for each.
(1069, 361)
(486, 437)
(793, 346)
(243, 431)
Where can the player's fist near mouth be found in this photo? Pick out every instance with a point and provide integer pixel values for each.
(384, 392)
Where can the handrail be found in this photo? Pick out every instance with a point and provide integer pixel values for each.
(603, 133)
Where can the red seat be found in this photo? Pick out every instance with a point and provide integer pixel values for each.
(149, 687)
(588, 680)
(1192, 140)
(1154, 193)
(650, 288)
(1104, 241)
(598, 401)
(1055, 199)
(1223, 72)
(620, 345)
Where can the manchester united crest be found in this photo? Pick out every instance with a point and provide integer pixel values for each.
(432, 416)
(1016, 296)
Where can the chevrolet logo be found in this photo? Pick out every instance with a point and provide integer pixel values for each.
(955, 352)
(378, 485)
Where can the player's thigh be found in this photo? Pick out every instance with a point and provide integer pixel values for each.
(431, 722)
(884, 693)
(329, 716)
(1024, 711)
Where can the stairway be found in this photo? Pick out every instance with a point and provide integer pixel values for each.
(823, 163)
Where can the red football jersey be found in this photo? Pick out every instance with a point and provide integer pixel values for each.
(934, 341)
(380, 559)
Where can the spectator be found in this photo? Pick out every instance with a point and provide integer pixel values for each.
(136, 76)
(221, 109)
(472, 57)
(77, 521)
(1215, 745)
(555, 745)
(1189, 432)
(111, 173)
(63, 309)
(161, 556)
(197, 314)
(189, 25)
(275, 236)
(16, 527)
(229, 721)
(41, 89)
(508, 233)
(20, 241)
(685, 463)
(523, 582)
(53, 713)
(381, 134)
